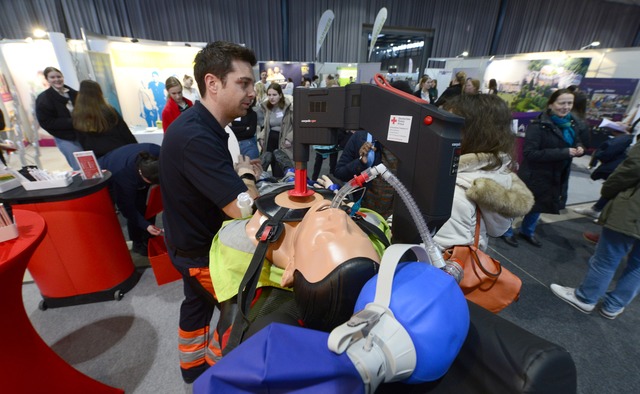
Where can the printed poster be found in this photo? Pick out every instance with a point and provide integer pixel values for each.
(527, 84)
(608, 97)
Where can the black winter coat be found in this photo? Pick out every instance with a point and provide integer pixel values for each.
(610, 154)
(448, 94)
(53, 115)
(546, 164)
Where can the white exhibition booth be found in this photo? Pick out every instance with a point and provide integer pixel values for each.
(132, 74)
(609, 76)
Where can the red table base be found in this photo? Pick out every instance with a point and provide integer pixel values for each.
(84, 257)
(27, 364)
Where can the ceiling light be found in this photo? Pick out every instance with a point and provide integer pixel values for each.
(39, 33)
(592, 45)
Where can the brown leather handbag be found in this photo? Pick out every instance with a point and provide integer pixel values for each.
(485, 281)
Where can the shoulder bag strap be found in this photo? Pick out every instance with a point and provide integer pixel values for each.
(476, 237)
(474, 255)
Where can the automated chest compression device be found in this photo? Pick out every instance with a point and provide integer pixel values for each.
(425, 139)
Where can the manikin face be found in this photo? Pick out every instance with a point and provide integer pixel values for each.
(563, 104)
(236, 95)
(55, 79)
(176, 93)
(273, 96)
(325, 238)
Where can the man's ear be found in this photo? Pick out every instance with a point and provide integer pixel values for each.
(212, 83)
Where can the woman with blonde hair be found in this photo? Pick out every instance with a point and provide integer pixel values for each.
(176, 102)
(423, 89)
(261, 97)
(188, 90)
(100, 127)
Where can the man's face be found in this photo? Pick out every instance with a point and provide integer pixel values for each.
(236, 95)
(263, 76)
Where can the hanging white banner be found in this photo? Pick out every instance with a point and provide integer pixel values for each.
(377, 28)
(323, 28)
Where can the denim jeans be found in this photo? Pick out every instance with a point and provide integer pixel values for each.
(611, 249)
(528, 226)
(67, 148)
(249, 147)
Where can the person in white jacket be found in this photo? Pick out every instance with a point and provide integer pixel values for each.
(484, 178)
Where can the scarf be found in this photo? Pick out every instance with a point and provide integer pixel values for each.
(565, 125)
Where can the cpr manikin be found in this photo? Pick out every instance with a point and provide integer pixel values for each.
(324, 239)
(327, 259)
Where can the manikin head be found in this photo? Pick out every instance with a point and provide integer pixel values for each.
(324, 239)
(320, 254)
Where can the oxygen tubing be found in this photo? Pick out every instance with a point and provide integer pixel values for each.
(370, 173)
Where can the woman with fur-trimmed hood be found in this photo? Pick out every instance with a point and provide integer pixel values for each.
(484, 177)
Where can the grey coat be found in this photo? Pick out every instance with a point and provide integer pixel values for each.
(286, 132)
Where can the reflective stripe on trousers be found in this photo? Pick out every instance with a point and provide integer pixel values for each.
(192, 346)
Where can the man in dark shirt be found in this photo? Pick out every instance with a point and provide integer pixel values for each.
(200, 188)
(130, 187)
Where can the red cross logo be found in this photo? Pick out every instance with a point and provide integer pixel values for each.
(394, 120)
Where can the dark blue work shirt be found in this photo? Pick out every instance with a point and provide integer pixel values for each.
(197, 179)
(126, 181)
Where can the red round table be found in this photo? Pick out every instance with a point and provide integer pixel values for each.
(83, 257)
(27, 364)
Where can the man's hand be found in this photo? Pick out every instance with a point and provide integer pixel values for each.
(364, 151)
(155, 231)
(245, 166)
(256, 165)
(252, 167)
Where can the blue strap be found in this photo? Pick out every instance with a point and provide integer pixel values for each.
(371, 155)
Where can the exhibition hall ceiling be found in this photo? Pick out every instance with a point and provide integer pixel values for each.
(631, 2)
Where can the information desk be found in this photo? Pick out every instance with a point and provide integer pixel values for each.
(83, 257)
(28, 364)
